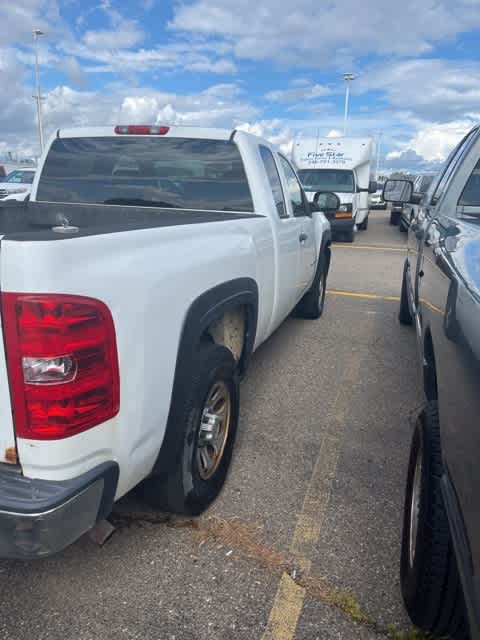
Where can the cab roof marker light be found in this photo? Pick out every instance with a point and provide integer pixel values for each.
(141, 129)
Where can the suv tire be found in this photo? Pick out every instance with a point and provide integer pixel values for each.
(429, 577)
(404, 314)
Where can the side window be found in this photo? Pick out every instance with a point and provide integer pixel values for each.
(295, 192)
(274, 180)
(471, 194)
(452, 163)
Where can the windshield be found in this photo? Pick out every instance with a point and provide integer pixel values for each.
(21, 177)
(327, 180)
(182, 173)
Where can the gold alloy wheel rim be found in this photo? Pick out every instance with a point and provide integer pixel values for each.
(214, 429)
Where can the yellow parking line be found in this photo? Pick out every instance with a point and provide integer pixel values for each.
(286, 610)
(361, 294)
(369, 247)
(288, 603)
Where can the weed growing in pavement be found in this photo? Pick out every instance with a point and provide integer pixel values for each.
(408, 634)
(233, 534)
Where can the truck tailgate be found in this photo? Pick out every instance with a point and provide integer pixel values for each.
(8, 451)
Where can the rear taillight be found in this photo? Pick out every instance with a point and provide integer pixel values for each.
(62, 363)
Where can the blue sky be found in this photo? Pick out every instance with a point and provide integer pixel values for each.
(268, 66)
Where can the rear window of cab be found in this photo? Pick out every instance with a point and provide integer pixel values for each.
(184, 173)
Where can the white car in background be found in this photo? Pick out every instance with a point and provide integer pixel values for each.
(17, 185)
(376, 199)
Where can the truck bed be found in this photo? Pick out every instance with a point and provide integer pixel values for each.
(36, 220)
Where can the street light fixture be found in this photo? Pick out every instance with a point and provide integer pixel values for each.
(38, 97)
(348, 77)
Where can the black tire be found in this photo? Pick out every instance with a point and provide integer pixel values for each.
(311, 305)
(394, 218)
(404, 314)
(429, 577)
(349, 236)
(364, 225)
(402, 226)
(184, 490)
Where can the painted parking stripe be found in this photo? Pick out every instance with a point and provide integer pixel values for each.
(288, 603)
(363, 295)
(369, 247)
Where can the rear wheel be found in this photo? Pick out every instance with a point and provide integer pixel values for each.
(429, 577)
(364, 225)
(209, 424)
(403, 227)
(349, 236)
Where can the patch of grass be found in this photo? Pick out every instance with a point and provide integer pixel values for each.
(347, 601)
(395, 633)
(247, 541)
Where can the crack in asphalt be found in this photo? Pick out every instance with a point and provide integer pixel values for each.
(244, 537)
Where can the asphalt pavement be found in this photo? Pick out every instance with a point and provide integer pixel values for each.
(304, 540)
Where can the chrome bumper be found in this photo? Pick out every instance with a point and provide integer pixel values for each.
(39, 518)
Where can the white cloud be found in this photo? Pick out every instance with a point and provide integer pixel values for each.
(297, 91)
(220, 105)
(430, 88)
(319, 34)
(275, 131)
(111, 39)
(433, 142)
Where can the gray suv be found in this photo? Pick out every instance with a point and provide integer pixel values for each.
(440, 297)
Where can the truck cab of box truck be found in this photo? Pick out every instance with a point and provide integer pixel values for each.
(344, 166)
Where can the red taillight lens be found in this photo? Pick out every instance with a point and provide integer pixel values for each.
(62, 363)
(142, 129)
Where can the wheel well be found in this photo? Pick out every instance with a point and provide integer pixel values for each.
(429, 369)
(229, 330)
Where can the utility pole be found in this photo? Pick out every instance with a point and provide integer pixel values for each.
(378, 154)
(348, 77)
(37, 96)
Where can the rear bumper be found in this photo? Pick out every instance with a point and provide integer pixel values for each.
(39, 517)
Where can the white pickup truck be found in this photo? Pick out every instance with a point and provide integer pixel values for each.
(147, 267)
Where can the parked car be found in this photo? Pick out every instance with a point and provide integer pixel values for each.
(147, 267)
(440, 296)
(17, 185)
(376, 199)
(420, 185)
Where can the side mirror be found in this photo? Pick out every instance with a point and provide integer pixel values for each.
(397, 191)
(372, 186)
(416, 197)
(326, 201)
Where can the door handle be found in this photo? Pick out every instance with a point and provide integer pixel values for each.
(302, 237)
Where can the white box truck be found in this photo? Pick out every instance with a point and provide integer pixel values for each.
(345, 166)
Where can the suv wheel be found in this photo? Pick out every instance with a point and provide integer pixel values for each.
(404, 314)
(429, 577)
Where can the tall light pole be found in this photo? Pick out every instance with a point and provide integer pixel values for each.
(38, 97)
(348, 77)
(378, 155)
